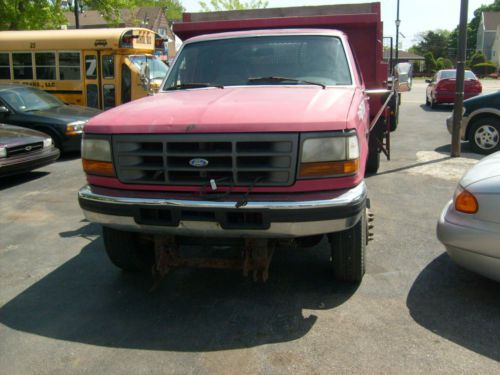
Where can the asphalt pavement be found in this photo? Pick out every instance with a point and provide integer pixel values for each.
(64, 309)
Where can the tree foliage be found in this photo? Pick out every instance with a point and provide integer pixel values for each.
(30, 14)
(435, 42)
(173, 8)
(218, 5)
(430, 63)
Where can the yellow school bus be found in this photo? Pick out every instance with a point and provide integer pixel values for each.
(98, 68)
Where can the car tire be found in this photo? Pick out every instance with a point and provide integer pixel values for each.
(126, 251)
(432, 104)
(348, 251)
(484, 135)
(427, 102)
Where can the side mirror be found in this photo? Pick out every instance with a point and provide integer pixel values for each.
(145, 77)
(4, 110)
(428, 81)
(403, 74)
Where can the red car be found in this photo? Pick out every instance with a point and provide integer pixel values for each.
(441, 88)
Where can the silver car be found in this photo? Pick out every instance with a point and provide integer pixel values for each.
(469, 225)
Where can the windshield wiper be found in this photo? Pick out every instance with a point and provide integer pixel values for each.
(282, 79)
(194, 85)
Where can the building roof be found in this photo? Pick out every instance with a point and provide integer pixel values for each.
(402, 55)
(491, 20)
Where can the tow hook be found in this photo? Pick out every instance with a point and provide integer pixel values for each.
(256, 259)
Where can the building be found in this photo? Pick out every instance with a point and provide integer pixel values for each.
(152, 18)
(486, 33)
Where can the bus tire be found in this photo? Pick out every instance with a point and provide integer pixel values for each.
(125, 251)
(348, 251)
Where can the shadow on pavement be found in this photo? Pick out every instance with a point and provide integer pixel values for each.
(11, 181)
(89, 301)
(438, 108)
(458, 305)
(465, 151)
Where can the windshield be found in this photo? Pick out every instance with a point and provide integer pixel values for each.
(26, 99)
(157, 69)
(450, 74)
(262, 60)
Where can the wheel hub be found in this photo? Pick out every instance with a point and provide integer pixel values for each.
(487, 137)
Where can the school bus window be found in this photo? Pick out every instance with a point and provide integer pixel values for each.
(108, 67)
(92, 96)
(23, 66)
(69, 66)
(109, 96)
(91, 67)
(45, 65)
(4, 66)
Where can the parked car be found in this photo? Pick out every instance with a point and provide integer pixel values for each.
(469, 225)
(441, 88)
(480, 123)
(36, 109)
(22, 150)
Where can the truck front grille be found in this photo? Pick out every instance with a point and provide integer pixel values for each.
(194, 159)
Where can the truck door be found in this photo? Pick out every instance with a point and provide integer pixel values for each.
(91, 79)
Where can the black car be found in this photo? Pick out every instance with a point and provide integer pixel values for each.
(481, 123)
(22, 150)
(36, 109)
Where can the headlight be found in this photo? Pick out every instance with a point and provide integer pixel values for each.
(96, 157)
(47, 142)
(3, 152)
(75, 127)
(331, 156)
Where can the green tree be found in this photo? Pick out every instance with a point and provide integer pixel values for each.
(173, 8)
(436, 42)
(218, 5)
(473, 25)
(430, 63)
(477, 58)
(30, 14)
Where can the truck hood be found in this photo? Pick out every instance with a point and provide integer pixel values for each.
(232, 109)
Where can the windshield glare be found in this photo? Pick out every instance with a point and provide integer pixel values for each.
(232, 62)
(29, 99)
(157, 69)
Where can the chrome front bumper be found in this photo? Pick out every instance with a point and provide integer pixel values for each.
(188, 217)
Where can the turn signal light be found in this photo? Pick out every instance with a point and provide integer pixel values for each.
(330, 168)
(466, 202)
(100, 168)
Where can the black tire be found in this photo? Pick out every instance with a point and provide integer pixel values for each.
(484, 135)
(373, 159)
(433, 104)
(348, 252)
(394, 116)
(427, 102)
(126, 251)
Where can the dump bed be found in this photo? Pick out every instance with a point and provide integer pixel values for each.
(360, 22)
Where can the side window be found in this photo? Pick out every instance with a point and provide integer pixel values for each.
(126, 84)
(69, 66)
(91, 67)
(4, 66)
(45, 63)
(23, 66)
(108, 93)
(108, 67)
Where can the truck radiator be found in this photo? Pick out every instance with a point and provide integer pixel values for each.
(195, 159)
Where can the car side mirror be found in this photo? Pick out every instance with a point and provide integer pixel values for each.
(4, 110)
(428, 81)
(403, 74)
(144, 76)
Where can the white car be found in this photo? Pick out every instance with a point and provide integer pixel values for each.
(469, 225)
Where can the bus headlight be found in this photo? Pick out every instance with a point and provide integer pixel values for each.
(96, 157)
(331, 156)
(75, 127)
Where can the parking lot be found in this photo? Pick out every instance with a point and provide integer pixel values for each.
(65, 309)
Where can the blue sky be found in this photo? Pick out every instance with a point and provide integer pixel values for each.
(416, 15)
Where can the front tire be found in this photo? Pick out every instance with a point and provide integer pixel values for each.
(126, 251)
(348, 251)
(484, 135)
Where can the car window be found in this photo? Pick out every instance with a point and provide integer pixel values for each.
(29, 99)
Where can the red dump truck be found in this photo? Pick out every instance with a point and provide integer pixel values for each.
(260, 137)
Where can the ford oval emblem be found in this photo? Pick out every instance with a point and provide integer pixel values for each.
(198, 162)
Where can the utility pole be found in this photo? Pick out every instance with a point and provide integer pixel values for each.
(459, 92)
(77, 15)
(398, 22)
